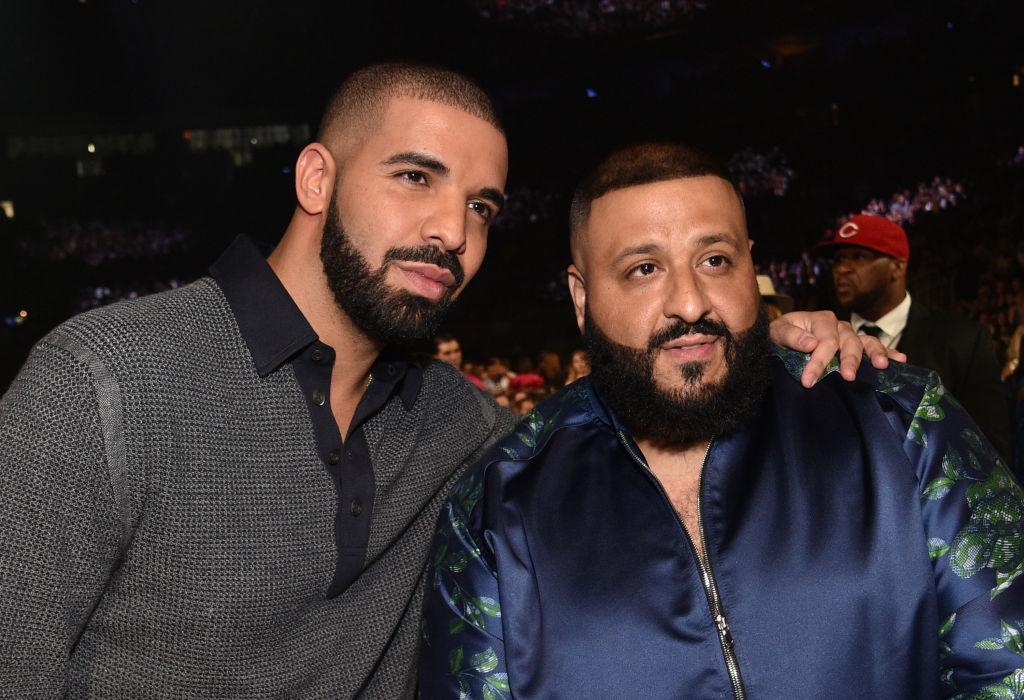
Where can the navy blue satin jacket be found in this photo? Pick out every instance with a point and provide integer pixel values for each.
(863, 541)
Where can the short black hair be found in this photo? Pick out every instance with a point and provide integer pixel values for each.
(358, 104)
(444, 338)
(638, 164)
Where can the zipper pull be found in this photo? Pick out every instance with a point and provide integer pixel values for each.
(723, 630)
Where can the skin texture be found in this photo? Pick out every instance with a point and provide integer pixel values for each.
(430, 174)
(867, 282)
(449, 351)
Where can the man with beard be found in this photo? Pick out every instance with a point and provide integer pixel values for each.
(689, 521)
(229, 490)
(870, 256)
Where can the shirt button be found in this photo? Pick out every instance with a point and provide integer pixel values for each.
(334, 456)
(357, 507)
(316, 355)
(319, 398)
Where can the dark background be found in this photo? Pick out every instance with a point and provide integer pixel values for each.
(863, 99)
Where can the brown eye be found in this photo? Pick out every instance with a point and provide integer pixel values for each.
(414, 176)
(482, 210)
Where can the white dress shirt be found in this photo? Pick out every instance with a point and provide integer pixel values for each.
(891, 324)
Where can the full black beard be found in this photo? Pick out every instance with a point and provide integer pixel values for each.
(624, 376)
(391, 316)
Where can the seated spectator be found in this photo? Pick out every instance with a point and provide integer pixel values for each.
(448, 349)
(776, 304)
(579, 366)
(497, 376)
(550, 365)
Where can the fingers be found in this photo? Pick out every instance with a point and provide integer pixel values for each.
(822, 334)
(790, 335)
(852, 348)
(824, 327)
(894, 354)
(876, 352)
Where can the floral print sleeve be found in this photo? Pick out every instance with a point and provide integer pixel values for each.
(462, 651)
(973, 513)
(462, 654)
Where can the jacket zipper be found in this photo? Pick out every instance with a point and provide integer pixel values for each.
(704, 565)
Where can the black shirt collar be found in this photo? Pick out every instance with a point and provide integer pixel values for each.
(271, 324)
(274, 328)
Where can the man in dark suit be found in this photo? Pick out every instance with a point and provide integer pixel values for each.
(870, 255)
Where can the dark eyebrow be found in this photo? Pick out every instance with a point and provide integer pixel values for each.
(643, 249)
(713, 238)
(494, 196)
(420, 160)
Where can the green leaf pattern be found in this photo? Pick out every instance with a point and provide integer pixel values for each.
(991, 536)
(477, 670)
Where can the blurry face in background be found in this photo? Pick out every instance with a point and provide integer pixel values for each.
(580, 363)
(449, 351)
(861, 277)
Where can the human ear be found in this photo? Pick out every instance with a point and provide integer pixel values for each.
(314, 178)
(578, 292)
(899, 269)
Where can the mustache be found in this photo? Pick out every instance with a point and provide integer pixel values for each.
(704, 326)
(431, 255)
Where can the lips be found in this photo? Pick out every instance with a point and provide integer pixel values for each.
(425, 279)
(691, 347)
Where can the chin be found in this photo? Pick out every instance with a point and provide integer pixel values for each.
(692, 378)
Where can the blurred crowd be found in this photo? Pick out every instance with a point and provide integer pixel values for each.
(939, 193)
(576, 17)
(95, 297)
(98, 242)
(761, 173)
(517, 386)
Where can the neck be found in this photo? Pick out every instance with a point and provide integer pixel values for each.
(296, 262)
(682, 458)
(884, 304)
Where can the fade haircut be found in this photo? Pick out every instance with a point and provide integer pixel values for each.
(639, 164)
(359, 103)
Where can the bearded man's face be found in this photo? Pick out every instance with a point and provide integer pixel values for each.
(666, 295)
(392, 316)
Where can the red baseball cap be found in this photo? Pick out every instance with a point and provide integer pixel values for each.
(872, 232)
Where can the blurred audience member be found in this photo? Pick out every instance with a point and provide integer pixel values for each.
(870, 255)
(776, 304)
(579, 366)
(497, 376)
(550, 365)
(448, 349)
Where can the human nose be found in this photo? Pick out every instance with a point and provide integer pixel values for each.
(445, 225)
(842, 266)
(686, 299)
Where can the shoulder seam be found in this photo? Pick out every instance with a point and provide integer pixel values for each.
(110, 407)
